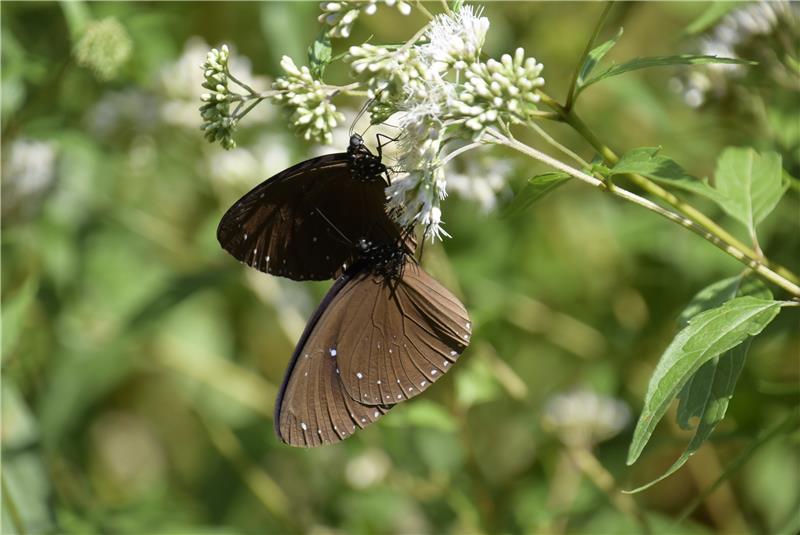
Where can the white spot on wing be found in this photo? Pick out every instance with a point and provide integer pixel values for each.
(360, 375)
(303, 426)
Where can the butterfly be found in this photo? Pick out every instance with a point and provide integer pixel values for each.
(292, 224)
(385, 331)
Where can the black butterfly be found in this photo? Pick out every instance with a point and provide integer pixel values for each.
(292, 224)
(385, 332)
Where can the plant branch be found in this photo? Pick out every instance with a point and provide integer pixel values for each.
(603, 480)
(539, 130)
(574, 82)
(424, 10)
(731, 248)
(680, 205)
(241, 84)
(746, 254)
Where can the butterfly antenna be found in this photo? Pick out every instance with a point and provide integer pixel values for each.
(347, 241)
(359, 115)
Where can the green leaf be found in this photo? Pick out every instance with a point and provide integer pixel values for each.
(706, 394)
(646, 161)
(750, 184)
(319, 54)
(15, 310)
(708, 335)
(660, 61)
(536, 188)
(595, 56)
(715, 11)
(714, 295)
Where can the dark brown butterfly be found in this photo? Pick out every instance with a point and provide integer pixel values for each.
(293, 223)
(385, 332)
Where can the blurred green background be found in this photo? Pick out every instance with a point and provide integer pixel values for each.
(140, 362)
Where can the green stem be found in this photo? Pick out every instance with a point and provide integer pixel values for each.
(727, 242)
(597, 29)
(680, 205)
(539, 130)
(761, 268)
(238, 82)
(782, 427)
(603, 480)
(11, 507)
(424, 10)
(248, 109)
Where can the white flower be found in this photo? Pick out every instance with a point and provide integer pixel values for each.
(480, 181)
(130, 109)
(498, 90)
(242, 166)
(340, 16)
(104, 48)
(391, 77)
(584, 418)
(415, 196)
(313, 115)
(29, 168)
(367, 469)
(181, 83)
(741, 29)
(456, 41)
(219, 123)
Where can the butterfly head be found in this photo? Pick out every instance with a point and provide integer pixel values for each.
(356, 142)
(364, 166)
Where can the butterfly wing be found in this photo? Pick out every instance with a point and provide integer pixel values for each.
(387, 341)
(313, 408)
(302, 222)
(405, 337)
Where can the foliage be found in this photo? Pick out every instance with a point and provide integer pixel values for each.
(140, 363)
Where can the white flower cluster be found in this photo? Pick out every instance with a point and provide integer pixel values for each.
(389, 76)
(181, 84)
(481, 180)
(340, 16)
(738, 30)
(445, 92)
(584, 418)
(499, 91)
(456, 41)
(415, 196)
(313, 114)
(28, 171)
(104, 48)
(219, 124)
